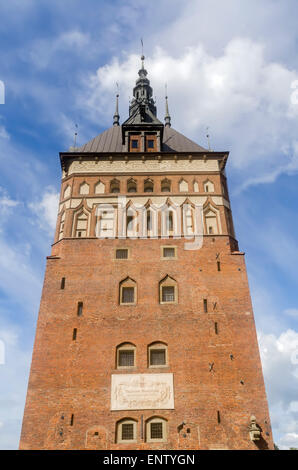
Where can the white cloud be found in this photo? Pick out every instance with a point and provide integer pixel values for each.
(46, 209)
(281, 377)
(245, 99)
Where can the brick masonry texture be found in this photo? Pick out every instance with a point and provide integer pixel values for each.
(68, 400)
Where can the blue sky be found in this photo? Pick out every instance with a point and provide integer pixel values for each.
(228, 65)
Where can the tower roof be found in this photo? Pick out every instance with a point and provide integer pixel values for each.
(111, 141)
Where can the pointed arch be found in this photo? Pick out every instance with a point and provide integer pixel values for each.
(99, 187)
(195, 186)
(128, 291)
(168, 290)
(84, 188)
(165, 185)
(170, 219)
(81, 221)
(211, 220)
(208, 186)
(183, 186)
(61, 223)
(148, 185)
(131, 185)
(115, 186)
(67, 191)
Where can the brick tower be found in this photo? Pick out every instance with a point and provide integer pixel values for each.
(146, 336)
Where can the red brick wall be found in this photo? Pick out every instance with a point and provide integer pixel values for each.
(74, 377)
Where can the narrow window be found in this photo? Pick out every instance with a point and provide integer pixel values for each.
(71, 420)
(126, 358)
(127, 433)
(62, 283)
(74, 334)
(218, 266)
(122, 253)
(126, 355)
(168, 293)
(157, 357)
(170, 221)
(205, 306)
(149, 222)
(216, 328)
(80, 309)
(156, 431)
(128, 295)
(218, 417)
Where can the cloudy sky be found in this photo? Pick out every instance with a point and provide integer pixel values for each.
(230, 65)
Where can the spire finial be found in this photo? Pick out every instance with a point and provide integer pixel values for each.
(167, 116)
(116, 116)
(208, 138)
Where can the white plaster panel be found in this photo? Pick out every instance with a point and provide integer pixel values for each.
(142, 392)
(131, 166)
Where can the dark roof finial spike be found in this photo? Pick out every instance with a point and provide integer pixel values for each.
(116, 116)
(167, 116)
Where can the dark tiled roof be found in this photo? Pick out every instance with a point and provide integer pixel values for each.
(111, 141)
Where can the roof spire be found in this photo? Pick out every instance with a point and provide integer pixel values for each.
(116, 116)
(167, 116)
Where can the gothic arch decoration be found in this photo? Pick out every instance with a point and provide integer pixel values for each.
(148, 185)
(61, 223)
(211, 220)
(183, 186)
(150, 220)
(84, 188)
(131, 186)
(168, 290)
(81, 221)
(132, 228)
(208, 186)
(67, 191)
(128, 291)
(195, 186)
(165, 185)
(96, 438)
(170, 219)
(99, 187)
(190, 218)
(115, 186)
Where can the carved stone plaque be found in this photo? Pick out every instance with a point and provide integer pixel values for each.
(142, 392)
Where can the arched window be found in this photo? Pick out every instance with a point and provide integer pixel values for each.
(131, 186)
(148, 186)
(84, 188)
(126, 356)
(126, 431)
(208, 187)
(61, 227)
(183, 186)
(115, 186)
(168, 291)
(211, 222)
(196, 186)
(81, 224)
(157, 354)
(66, 192)
(128, 292)
(165, 186)
(156, 429)
(99, 188)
